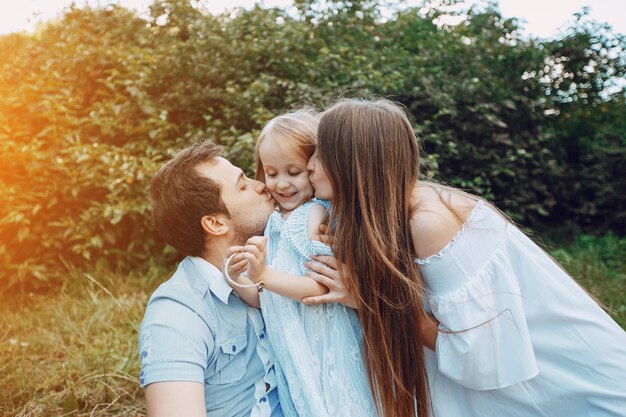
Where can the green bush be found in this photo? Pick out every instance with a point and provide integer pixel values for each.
(75, 144)
(95, 102)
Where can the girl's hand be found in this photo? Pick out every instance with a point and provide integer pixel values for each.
(326, 272)
(255, 252)
(238, 264)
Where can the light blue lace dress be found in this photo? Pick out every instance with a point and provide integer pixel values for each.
(319, 360)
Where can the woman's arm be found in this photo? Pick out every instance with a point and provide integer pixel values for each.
(433, 226)
(326, 272)
(430, 330)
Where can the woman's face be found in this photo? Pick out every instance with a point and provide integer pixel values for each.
(319, 179)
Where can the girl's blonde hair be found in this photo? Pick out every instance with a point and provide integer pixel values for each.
(294, 133)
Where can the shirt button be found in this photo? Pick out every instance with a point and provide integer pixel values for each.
(263, 399)
(234, 348)
(262, 336)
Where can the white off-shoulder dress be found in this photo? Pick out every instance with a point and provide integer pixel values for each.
(518, 337)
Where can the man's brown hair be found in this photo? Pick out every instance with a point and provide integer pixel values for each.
(181, 196)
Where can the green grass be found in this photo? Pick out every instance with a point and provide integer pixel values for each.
(599, 265)
(73, 352)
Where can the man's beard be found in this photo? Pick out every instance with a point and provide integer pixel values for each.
(244, 230)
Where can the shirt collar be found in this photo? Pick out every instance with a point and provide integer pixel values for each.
(217, 283)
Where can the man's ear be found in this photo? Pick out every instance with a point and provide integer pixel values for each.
(215, 225)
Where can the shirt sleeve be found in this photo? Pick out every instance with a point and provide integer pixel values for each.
(484, 342)
(175, 344)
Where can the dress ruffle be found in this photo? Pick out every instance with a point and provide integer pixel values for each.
(298, 235)
(449, 245)
(484, 342)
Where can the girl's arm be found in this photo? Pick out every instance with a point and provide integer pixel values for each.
(326, 272)
(291, 286)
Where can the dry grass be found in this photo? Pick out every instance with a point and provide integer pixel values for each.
(73, 352)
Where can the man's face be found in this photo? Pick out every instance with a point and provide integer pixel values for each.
(247, 200)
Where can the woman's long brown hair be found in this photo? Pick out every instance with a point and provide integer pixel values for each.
(371, 156)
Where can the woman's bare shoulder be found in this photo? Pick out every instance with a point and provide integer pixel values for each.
(438, 213)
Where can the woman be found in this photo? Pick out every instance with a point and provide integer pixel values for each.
(516, 336)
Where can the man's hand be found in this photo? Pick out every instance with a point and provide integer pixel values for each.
(326, 272)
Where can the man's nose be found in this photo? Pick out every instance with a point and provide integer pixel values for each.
(259, 187)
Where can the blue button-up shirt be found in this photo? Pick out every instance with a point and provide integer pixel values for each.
(197, 329)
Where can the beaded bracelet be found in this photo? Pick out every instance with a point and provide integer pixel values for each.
(232, 282)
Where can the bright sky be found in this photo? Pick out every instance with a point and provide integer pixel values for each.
(540, 18)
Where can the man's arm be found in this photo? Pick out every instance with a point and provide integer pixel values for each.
(173, 399)
(175, 343)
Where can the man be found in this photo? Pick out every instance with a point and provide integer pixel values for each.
(203, 350)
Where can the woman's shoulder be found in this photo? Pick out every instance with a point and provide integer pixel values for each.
(438, 214)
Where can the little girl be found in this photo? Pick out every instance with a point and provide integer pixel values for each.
(319, 361)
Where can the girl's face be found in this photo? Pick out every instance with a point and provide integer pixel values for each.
(286, 177)
(319, 179)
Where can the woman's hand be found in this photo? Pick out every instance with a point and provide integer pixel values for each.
(326, 272)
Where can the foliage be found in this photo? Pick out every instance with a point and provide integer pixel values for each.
(74, 144)
(95, 102)
(588, 128)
